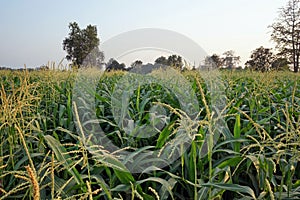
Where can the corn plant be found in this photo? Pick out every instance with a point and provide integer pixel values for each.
(47, 150)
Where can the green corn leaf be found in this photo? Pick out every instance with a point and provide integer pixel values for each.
(163, 136)
(232, 187)
(230, 162)
(62, 156)
(124, 177)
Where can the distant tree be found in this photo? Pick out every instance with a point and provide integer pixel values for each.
(115, 65)
(146, 69)
(43, 68)
(82, 46)
(137, 63)
(286, 32)
(230, 60)
(280, 64)
(261, 59)
(161, 60)
(214, 61)
(175, 61)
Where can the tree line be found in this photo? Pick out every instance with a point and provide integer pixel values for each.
(82, 48)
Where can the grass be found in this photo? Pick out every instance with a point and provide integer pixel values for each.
(50, 136)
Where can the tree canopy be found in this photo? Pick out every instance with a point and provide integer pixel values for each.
(175, 61)
(230, 60)
(286, 32)
(115, 65)
(261, 59)
(214, 61)
(161, 60)
(137, 63)
(81, 46)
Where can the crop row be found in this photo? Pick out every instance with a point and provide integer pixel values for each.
(165, 135)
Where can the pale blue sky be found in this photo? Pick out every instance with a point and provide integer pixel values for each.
(32, 31)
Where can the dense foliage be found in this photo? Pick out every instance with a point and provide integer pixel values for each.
(286, 32)
(44, 155)
(81, 46)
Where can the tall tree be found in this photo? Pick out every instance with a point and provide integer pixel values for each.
(286, 32)
(82, 46)
(261, 59)
(230, 60)
(214, 61)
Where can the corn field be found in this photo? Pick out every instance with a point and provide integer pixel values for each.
(46, 152)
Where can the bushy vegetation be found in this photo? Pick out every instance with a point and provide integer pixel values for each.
(44, 153)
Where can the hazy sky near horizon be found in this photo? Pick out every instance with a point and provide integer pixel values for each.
(31, 32)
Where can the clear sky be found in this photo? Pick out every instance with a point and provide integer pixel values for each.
(32, 31)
